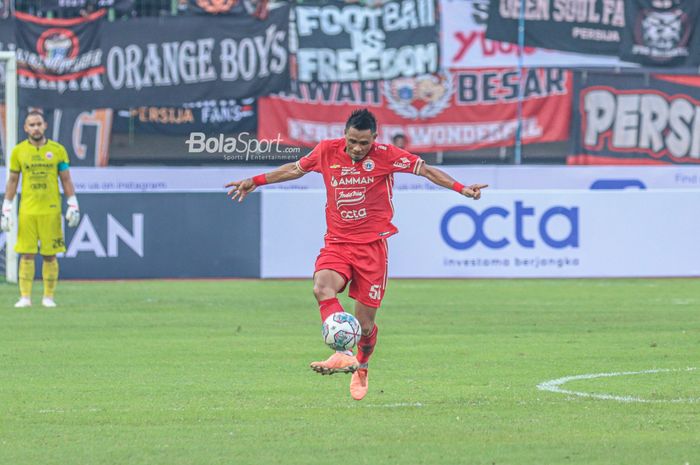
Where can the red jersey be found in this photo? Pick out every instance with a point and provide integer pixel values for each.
(358, 194)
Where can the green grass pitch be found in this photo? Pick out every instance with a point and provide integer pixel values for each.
(216, 372)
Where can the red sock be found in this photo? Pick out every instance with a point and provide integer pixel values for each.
(329, 307)
(366, 346)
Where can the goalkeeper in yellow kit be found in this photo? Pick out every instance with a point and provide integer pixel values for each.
(40, 162)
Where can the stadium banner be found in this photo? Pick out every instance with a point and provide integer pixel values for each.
(340, 42)
(458, 110)
(588, 27)
(507, 234)
(635, 119)
(151, 61)
(121, 6)
(662, 33)
(129, 236)
(58, 51)
(463, 43)
(228, 116)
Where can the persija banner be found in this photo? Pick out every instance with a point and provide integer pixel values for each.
(664, 35)
(59, 51)
(628, 119)
(349, 42)
(582, 26)
(209, 116)
(463, 43)
(461, 110)
(151, 61)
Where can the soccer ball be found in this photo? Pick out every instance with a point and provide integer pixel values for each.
(341, 331)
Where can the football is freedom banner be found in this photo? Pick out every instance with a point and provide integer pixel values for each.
(624, 119)
(460, 110)
(349, 42)
(86, 63)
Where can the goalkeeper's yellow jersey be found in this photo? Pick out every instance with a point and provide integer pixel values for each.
(39, 167)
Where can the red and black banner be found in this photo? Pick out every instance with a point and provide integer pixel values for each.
(85, 63)
(59, 51)
(623, 119)
(460, 110)
(662, 33)
(227, 116)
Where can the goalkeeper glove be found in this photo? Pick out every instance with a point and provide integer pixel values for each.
(73, 213)
(6, 220)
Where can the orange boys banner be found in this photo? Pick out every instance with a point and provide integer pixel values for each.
(460, 110)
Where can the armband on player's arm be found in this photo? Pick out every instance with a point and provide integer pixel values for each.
(73, 212)
(260, 180)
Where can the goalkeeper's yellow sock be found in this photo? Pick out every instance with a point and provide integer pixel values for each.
(26, 277)
(49, 271)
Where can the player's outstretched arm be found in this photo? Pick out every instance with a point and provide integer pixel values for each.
(286, 172)
(439, 177)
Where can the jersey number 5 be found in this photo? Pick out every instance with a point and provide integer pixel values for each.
(375, 292)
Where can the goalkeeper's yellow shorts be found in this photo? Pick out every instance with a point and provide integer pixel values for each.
(44, 229)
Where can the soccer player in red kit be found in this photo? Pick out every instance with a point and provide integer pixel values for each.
(359, 175)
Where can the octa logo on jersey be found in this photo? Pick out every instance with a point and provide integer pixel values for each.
(570, 214)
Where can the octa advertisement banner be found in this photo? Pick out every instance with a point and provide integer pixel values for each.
(636, 119)
(507, 234)
(459, 110)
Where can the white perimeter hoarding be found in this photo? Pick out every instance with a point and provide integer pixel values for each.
(200, 179)
(507, 234)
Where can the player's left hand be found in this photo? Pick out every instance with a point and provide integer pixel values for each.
(239, 189)
(73, 212)
(474, 191)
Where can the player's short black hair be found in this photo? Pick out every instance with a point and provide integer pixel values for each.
(35, 113)
(362, 120)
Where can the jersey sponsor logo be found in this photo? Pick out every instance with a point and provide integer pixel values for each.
(351, 181)
(349, 196)
(403, 163)
(349, 171)
(368, 165)
(352, 215)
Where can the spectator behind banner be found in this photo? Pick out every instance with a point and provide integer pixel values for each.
(399, 140)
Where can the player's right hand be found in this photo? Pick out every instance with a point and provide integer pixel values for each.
(239, 189)
(6, 219)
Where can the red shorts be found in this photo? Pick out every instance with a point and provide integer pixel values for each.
(363, 265)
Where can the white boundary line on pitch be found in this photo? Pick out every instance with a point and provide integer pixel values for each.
(554, 385)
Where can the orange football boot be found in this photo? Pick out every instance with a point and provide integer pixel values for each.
(359, 384)
(336, 363)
